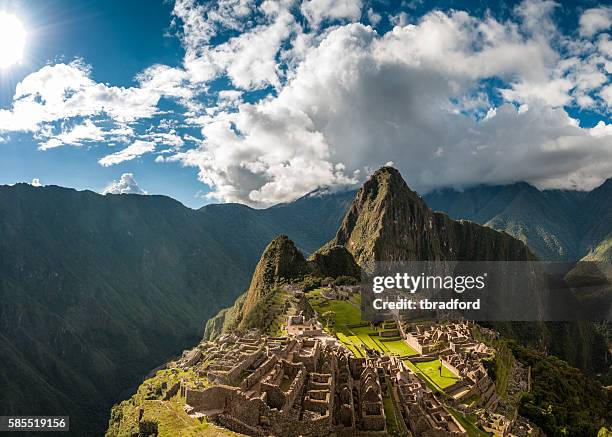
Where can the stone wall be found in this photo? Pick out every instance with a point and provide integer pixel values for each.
(254, 377)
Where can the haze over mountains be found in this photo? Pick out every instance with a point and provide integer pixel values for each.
(105, 288)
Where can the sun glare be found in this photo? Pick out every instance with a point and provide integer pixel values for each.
(12, 40)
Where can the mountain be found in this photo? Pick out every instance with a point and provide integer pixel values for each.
(385, 222)
(389, 222)
(558, 225)
(597, 240)
(105, 288)
(281, 263)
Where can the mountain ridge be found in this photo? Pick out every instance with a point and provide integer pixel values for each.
(76, 272)
(559, 225)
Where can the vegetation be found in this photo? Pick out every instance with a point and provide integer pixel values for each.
(557, 225)
(437, 373)
(345, 280)
(106, 288)
(562, 401)
(163, 417)
(355, 334)
(499, 367)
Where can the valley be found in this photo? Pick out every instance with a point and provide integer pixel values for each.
(122, 283)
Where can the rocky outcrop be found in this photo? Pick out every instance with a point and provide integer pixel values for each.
(333, 261)
(389, 222)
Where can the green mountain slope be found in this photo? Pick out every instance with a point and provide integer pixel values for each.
(558, 225)
(389, 222)
(98, 290)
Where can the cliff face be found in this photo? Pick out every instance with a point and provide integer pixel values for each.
(280, 262)
(389, 222)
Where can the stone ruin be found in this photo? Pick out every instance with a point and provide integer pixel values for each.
(290, 386)
(454, 345)
(286, 386)
(301, 326)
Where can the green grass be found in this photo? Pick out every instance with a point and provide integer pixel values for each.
(399, 347)
(169, 415)
(431, 369)
(359, 338)
(348, 342)
(390, 415)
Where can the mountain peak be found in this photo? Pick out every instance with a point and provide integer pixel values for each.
(387, 221)
(382, 220)
(280, 262)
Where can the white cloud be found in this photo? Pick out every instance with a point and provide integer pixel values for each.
(133, 151)
(59, 103)
(248, 59)
(125, 185)
(406, 93)
(167, 81)
(61, 91)
(595, 20)
(36, 182)
(317, 11)
(346, 98)
(606, 95)
(374, 17)
(75, 136)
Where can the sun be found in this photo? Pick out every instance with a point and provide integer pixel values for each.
(12, 40)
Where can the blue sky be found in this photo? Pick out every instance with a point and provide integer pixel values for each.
(261, 102)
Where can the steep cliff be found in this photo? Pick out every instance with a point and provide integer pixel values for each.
(280, 263)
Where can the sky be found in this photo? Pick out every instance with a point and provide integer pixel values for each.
(261, 102)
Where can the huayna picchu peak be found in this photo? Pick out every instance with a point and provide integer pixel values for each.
(389, 222)
(292, 356)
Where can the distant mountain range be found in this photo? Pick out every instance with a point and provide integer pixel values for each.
(558, 225)
(98, 290)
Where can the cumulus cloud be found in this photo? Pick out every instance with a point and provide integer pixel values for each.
(133, 151)
(36, 182)
(63, 91)
(61, 105)
(317, 11)
(248, 59)
(125, 185)
(359, 99)
(595, 20)
(75, 136)
(277, 98)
